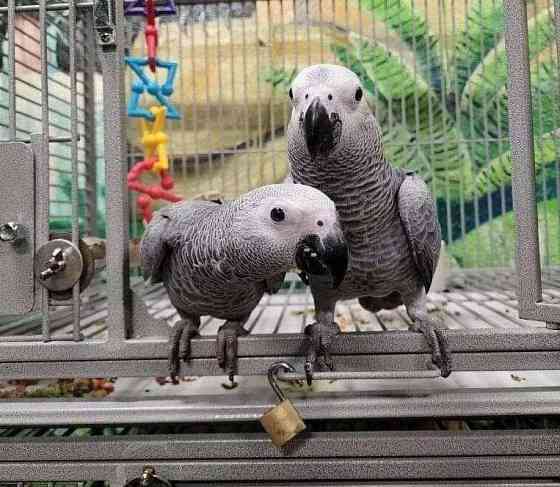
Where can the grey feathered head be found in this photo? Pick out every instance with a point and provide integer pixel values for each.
(330, 114)
(288, 220)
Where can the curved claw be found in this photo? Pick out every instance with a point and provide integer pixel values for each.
(226, 349)
(180, 347)
(232, 384)
(439, 345)
(445, 358)
(308, 372)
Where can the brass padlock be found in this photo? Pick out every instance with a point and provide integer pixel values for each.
(282, 422)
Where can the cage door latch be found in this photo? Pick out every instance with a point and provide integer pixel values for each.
(104, 21)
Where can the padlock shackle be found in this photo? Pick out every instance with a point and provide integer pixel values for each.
(272, 371)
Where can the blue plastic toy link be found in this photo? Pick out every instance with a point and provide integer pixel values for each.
(146, 84)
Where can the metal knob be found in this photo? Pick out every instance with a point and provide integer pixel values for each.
(58, 266)
(55, 264)
(9, 232)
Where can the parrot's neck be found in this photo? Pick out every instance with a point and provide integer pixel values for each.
(358, 190)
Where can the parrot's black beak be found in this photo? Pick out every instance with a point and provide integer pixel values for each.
(323, 260)
(321, 130)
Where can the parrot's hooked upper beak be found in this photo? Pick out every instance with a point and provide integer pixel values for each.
(321, 130)
(324, 259)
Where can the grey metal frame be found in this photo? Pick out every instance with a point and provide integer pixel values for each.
(399, 350)
(531, 305)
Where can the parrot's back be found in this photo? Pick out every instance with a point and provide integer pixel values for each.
(186, 247)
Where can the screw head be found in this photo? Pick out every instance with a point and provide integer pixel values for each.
(8, 232)
(106, 37)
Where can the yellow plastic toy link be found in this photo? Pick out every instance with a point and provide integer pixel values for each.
(154, 139)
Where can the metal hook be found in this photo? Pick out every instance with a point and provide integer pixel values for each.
(272, 371)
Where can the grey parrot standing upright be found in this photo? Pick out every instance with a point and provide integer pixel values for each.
(219, 259)
(388, 215)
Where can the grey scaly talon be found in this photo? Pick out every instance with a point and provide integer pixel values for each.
(320, 339)
(183, 331)
(226, 346)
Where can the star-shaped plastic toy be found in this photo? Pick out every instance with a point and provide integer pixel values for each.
(138, 7)
(145, 84)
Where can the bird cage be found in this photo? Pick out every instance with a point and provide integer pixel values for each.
(465, 91)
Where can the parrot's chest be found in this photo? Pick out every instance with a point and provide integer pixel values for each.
(202, 293)
(380, 259)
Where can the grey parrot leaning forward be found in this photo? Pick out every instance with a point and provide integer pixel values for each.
(219, 259)
(388, 215)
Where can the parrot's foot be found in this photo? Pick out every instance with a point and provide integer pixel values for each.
(320, 338)
(226, 347)
(184, 330)
(441, 356)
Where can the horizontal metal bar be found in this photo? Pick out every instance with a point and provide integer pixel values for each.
(543, 312)
(284, 345)
(51, 140)
(54, 7)
(370, 375)
(257, 445)
(240, 406)
(249, 366)
(298, 470)
(34, 338)
(431, 483)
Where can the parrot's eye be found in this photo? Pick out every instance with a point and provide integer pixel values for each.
(291, 94)
(277, 214)
(359, 94)
(320, 223)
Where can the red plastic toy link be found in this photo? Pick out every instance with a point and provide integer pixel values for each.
(151, 34)
(150, 193)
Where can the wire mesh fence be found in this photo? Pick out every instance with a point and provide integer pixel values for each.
(436, 77)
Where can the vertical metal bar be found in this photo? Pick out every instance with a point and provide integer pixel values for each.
(210, 143)
(442, 32)
(114, 115)
(248, 138)
(195, 128)
(539, 141)
(234, 116)
(74, 162)
(272, 100)
(490, 223)
(506, 259)
(222, 166)
(522, 155)
(557, 111)
(12, 69)
(260, 129)
(182, 96)
(89, 125)
(44, 160)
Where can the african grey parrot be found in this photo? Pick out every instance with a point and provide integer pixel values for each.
(219, 259)
(388, 215)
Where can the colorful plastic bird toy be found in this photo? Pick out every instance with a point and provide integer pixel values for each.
(139, 7)
(151, 34)
(154, 139)
(149, 193)
(145, 84)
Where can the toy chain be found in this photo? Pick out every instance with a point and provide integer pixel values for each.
(153, 136)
